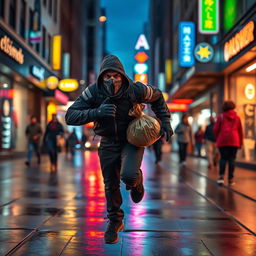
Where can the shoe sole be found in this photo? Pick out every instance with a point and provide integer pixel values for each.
(119, 230)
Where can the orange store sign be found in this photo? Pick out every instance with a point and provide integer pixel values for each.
(6, 45)
(239, 41)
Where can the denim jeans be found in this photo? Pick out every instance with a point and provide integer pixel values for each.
(32, 146)
(119, 160)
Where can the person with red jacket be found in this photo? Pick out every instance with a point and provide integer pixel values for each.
(229, 137)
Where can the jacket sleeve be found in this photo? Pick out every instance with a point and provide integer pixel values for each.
(81, 111)
(152, 95)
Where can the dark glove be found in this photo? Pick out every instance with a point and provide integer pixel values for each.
(106, 110)
(166, 130)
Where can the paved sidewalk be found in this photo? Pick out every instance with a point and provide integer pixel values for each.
(44, 213)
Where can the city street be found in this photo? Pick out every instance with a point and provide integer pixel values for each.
(184, 211)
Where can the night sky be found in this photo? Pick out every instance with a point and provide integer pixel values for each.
(125, 19)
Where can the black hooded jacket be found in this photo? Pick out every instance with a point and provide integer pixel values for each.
(82, 110)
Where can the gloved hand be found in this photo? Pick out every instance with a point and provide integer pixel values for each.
(106, 110)
(166, 130)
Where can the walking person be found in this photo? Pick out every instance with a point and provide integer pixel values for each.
(107, 103)
(199, 139)
(229, 135)
(72, 142)
(53, 129)
(210, 143)
(184, 137)
(33, 133)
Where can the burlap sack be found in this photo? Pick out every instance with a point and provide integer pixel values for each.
(144, 130)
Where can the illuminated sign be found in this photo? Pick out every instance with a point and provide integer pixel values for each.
(141, 68)
(141, 57)
(177, 107)
(6, 93)
(52, 82)
(204, 52)
(182, 101)
(230, 9)
(143, 78)
(208, 16)
(6, 45)
(61, 97)
(38, 72)
(68, 85)
(249, 91)
(239, 41)
(142, 42)
(186, 44)
(56, 52)
(168, 71)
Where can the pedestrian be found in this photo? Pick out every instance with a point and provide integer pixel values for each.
(157, 146)
(72, 142)
(199, 140)
(53, 129)
(107, 104)
(184, 137)
(33, 133)
(210, 143)
(229, 136)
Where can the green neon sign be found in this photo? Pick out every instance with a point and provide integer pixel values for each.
(208, 16)
(230, 14)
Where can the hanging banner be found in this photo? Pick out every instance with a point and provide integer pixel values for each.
(208, 16)
(186, 44)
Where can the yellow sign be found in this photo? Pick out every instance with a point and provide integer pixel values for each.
(239, 41)
(6, 45)
(52, 82)
(249, 91)
(56, 52)
(68, 85)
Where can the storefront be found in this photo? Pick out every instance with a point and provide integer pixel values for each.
(239, 62)
(21, 69)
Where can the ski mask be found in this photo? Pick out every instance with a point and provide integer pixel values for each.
(109, 86)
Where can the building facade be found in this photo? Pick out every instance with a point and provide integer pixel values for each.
(227, 74)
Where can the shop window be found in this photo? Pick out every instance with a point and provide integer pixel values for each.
(242, 90)
(12, 14)
(2, 8)
(50, 7)
(44, 43)
(22, 18)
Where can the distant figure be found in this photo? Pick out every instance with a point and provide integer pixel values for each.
(33, 133)
(229, 135)
(199, 139)
(72, 142)
(210, 141)
(183, 131)
(53, 129)
(157, 146)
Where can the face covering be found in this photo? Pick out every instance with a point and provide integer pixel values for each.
(109, 85)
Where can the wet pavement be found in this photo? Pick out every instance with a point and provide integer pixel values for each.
(184, 211)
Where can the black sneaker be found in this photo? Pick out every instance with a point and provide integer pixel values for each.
(111, 234)
(137, 192)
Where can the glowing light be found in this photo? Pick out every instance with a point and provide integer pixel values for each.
(87, 144)
(52, 82)
(56, 52)
(250, 68)
(141, 57)
(102, 18)
(68, 85)
(141, 68)
(249, 91)
(143, 78)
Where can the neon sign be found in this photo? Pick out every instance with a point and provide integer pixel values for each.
(239, 41)
(186, 44)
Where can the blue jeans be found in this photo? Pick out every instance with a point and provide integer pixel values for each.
(33, 146)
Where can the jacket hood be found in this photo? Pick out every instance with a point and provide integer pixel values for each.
(111, 62)
(230, 114)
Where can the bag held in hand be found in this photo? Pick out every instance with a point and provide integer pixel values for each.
(144, 130)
